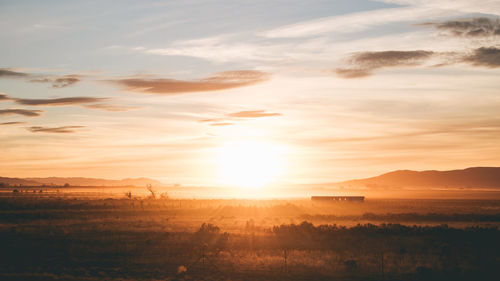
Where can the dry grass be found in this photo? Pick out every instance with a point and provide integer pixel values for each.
(76, 238)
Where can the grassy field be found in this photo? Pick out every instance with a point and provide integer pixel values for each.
(52, 237)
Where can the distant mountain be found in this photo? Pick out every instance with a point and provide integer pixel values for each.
(477, 177)
(79, 181)
(17, 181)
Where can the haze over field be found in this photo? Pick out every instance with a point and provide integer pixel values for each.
(470, 183)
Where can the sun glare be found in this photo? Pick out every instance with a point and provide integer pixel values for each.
(249, 164)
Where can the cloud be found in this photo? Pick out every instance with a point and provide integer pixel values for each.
(355, 22)
(11, 123)
(352, 73)
(25, 112)
(59, 130)
(87, 102)
(491, 7)
(4, 97)
(220, 81)
(224, 48)
(222, 124)
(328, 37)
(58, 82)
(6, 72)
(362, 64)
(59, 101)
(55, 81)
(252, 114)
(108, 107)
(372, 60)
(474, 27)
(64, 81)
(240, 115)
(213, 120)
(484, 56)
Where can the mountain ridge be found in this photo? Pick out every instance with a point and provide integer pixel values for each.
(79, 181)
(473, 177)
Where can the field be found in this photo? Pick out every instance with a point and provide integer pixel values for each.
(52, 236)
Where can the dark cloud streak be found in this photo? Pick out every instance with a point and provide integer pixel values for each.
(471, 28)
(11, 123)
(59, 101)
(484, 56)
(24, 112)
(58, 130)
(364, 63)
(60, 82)
(87, 102)
(55, 81)
(4, 97)
(6, 72)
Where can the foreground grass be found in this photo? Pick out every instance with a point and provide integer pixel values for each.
(68, 239)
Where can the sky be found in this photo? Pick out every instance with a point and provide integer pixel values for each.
(332, 90)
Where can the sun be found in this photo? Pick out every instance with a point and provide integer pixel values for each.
(249, 164)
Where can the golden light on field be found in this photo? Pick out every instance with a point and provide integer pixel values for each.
(249, 165)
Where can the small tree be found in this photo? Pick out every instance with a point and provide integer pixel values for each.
(150, 188)
(128, 194)
(164, 195)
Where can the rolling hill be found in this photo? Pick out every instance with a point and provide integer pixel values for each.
(78, 181)
(17, 181)
(476, 177)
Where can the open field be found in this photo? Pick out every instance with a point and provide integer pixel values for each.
(50, 237)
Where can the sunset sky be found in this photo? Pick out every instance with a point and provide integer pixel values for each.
(309, 91)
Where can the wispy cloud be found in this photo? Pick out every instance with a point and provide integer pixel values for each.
(55, 81)
(355, 22)
(17, 111)
(223, 48)
(352, 72)
(213, 120)
(109, 107)
(252, 114)
(362, 64)
(11, 123)
(220, 81)
(229, 118)
(222, 124)
(490, 7)
(58, 130)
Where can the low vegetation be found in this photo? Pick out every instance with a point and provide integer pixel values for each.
(138, 238)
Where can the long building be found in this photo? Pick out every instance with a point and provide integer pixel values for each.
(338, 198)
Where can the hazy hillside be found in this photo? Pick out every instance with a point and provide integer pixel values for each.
(477, 177)
(16, 181)
(79, 181)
